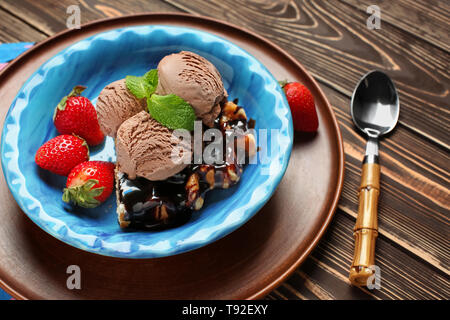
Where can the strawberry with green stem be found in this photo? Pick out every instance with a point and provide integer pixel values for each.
(89, 184)
(76, 115)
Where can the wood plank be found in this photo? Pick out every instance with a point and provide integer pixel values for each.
(428, 20)
(324, 275)
(14, 30)
(322, 282)
(50, 16)
(332, 41)
(402, 275)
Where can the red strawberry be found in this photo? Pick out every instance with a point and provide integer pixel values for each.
(89, 183)
(60, 154)
(76, 115)
(303, 109)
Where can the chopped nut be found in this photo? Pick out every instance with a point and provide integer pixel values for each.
(210, 178)
(121, 216)
(241, 114)
(164, 214)
(226, 183)
(248, 142)
(157, 213)
(199, 203)
(250, 145)
(229, 107)
(192, 186)
(233, 176)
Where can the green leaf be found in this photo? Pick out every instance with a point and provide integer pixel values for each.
(282, 83)
(143, 87)
(152, 79)
(171, 111)
(137, 86)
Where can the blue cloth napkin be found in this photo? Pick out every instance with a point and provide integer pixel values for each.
(4, 295)
(9, 51)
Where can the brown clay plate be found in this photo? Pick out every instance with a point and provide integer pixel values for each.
(247, 264)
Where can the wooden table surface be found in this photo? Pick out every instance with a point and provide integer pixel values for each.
(331, 39)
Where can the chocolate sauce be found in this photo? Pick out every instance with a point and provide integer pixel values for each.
(155, 205)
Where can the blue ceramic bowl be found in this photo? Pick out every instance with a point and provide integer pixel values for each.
(100, 60)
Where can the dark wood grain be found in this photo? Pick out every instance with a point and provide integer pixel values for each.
(13, 29)
(402, 276)
(325, 274)
(412, 47)
(50, 16)
(331, 39)
(427, 20)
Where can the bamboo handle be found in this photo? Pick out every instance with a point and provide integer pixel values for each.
(366, 228)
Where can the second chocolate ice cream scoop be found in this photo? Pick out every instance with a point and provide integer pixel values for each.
(194, 79)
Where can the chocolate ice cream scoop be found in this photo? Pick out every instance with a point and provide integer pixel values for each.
(116, 104)
(145, 148)
(194, 79)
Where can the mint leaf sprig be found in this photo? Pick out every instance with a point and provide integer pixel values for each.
(170, 110)
(143, 87)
